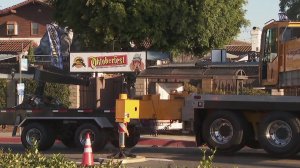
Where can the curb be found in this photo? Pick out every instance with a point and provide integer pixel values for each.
(10, 140)
(156, 142)
(153, 142)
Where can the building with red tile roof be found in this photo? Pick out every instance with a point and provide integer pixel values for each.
(238, 48)
(15, 47)
(23, 25)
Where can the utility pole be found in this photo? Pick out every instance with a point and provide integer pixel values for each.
(20, 85)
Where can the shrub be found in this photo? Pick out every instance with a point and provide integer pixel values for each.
(30, 55)
(3, 93)
(258, 92)
(59, 91)
(206, 161)
(246, 91)
(32, 158)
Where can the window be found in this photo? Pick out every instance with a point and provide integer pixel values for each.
(290, 33)
(270, 48)
(34, 28)
(12, 28)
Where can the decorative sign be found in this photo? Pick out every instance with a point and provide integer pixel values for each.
(108, 62)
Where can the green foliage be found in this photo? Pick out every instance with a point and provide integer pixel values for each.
(206, 161)
(59, 91)
(30, 55)
(291, 7)
(257, 92)
(33, 158)
(190, 88)
(171, 25)
(3, 93)
(246, 91)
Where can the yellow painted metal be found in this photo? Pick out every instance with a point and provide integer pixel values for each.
(127, 109)
(287, 58)
(150, 107)
(123, 96)
(170, 110)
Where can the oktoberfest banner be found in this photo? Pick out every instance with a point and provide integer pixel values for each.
(108, 62)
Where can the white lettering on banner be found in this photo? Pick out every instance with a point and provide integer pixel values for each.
(108, 62)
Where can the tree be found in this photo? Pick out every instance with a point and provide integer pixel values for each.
(190, 26)
(291, 8)
(30, 55)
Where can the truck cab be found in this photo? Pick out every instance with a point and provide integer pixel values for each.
(279, 63)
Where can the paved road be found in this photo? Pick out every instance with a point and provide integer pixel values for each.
(165, 156)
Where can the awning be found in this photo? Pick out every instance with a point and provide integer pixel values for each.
(6, 56)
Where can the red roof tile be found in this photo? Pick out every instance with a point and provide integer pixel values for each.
(7, 10)
(238, 47)
(15, 46)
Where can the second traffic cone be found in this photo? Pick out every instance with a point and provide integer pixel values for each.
(88, 156)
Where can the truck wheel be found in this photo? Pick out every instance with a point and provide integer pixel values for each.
(97, 135)
(224, 131)
(131, 140)
(43, 134)
(279, 134)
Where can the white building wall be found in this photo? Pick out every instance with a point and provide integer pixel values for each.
(255, 39)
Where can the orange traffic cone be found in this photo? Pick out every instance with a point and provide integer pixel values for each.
(88, 156)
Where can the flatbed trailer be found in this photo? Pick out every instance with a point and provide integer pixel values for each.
(247, 102)
(226, 122)
(44, 119)
(70, 126)
(230, 122)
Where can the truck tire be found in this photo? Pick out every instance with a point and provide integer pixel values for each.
(279, 134)
(43, 134)
(131, 140)
(224, 131)
(97, 135)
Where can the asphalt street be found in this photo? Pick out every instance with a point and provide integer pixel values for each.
(167, 151)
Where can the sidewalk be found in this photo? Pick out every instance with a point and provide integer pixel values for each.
(146, 140)
(168, 141)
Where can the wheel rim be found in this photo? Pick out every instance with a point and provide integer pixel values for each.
(279, 133)
(82, 136)
(221, 131)
(33, 135)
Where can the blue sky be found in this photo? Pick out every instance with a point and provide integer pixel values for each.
(258, 13)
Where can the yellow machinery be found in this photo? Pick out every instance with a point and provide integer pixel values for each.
(280, 49)
(230, 122)
(150, 107)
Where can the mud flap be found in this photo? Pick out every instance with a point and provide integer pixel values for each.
(17, 122)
